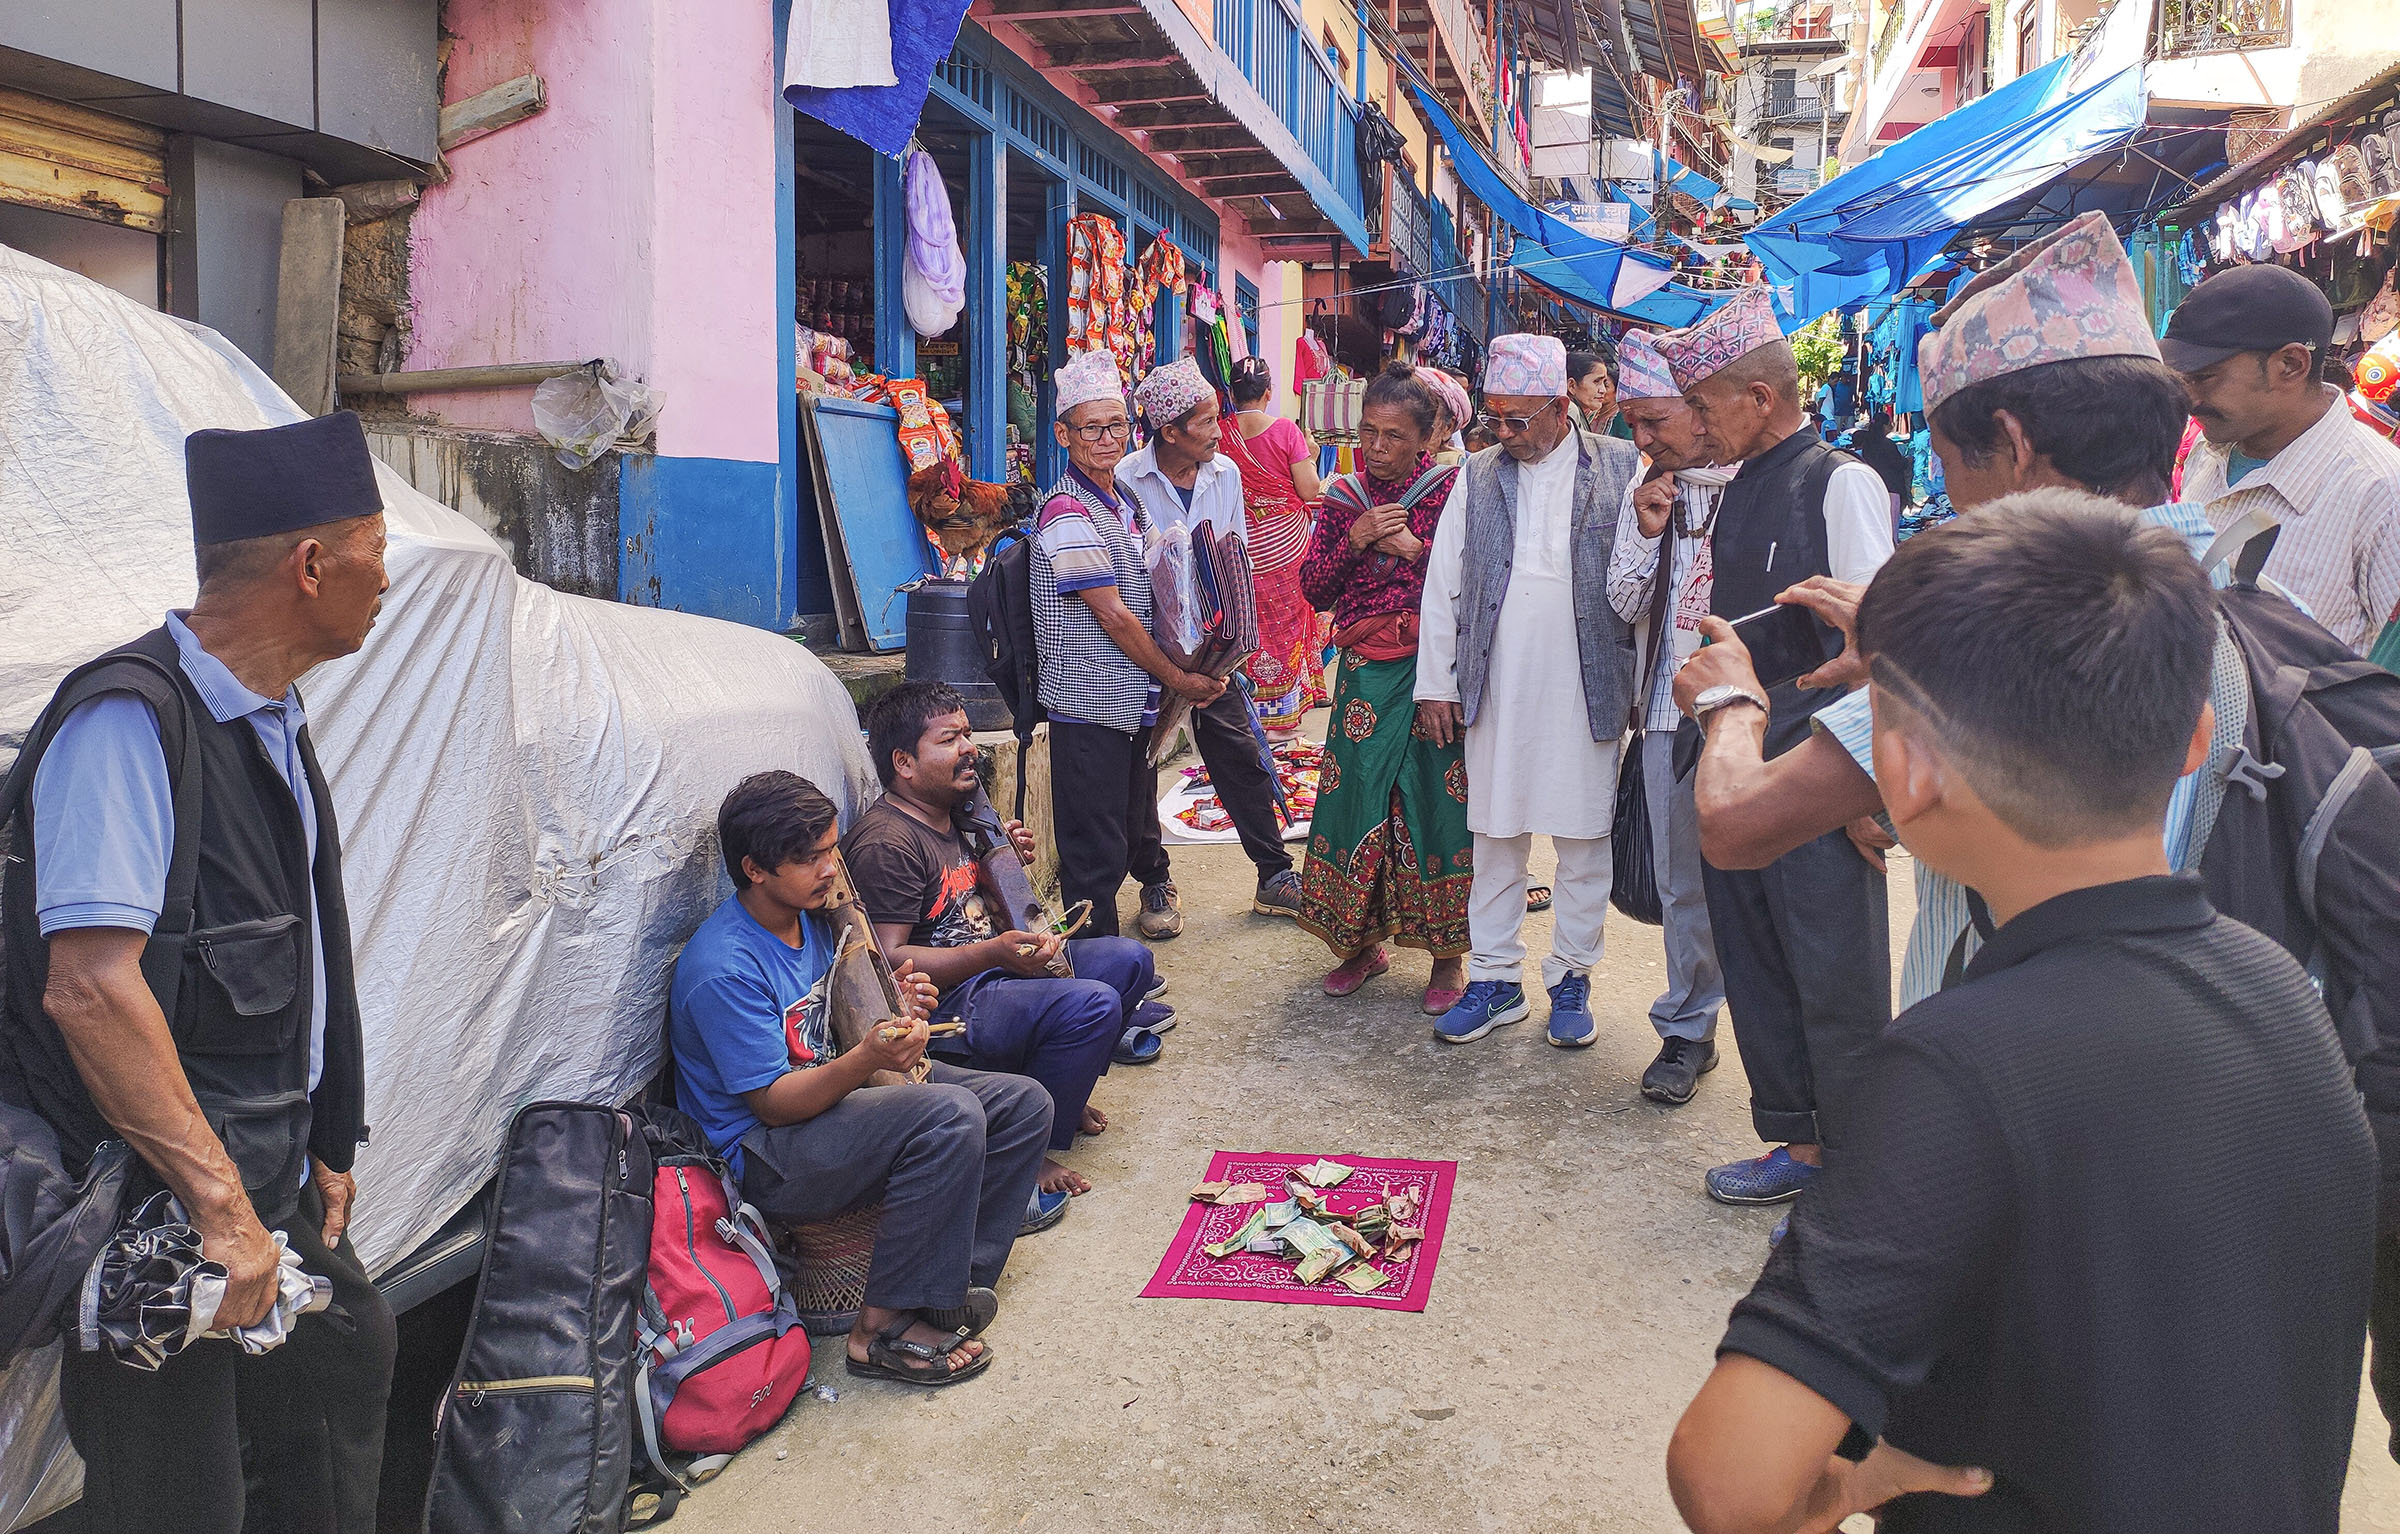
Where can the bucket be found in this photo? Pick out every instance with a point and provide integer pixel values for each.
(942, 648)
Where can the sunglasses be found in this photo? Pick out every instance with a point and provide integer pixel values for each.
(1513, 424)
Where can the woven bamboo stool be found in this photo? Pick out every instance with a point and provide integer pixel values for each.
(829, 1262)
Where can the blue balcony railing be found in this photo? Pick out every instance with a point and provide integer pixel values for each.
(1268, 44)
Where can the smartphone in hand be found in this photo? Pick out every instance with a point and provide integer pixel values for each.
(1783, 643)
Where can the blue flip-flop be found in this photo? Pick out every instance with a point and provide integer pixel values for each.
(1042, 1211)
(1138, 1046)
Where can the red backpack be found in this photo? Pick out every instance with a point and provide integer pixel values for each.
(723, 1352)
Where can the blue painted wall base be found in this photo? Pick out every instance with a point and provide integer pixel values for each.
(711, 535)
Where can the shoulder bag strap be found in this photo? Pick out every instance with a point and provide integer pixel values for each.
(162, 957)
(1979, 922)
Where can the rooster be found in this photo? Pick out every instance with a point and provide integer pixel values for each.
(965, 516)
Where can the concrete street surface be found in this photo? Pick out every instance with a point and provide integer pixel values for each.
(1581, 1290)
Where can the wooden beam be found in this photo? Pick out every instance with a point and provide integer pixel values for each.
(1186, 142)
(1176, 114)
(1097, 56)
(1252, 163)
(1147, 92)
(511, 101)
(1048, 10)
(1247, 185)
(308, 300)
(498, 375)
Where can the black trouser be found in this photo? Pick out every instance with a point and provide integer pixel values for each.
(2383, 1328)
(1805, 943)
(1104, 816)
(1222, 732)
(166, 1449)
(951, 1159)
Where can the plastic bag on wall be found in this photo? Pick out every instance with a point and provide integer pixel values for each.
(584, 413)
(933, 277)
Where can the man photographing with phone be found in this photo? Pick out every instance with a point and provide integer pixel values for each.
(1803, 941)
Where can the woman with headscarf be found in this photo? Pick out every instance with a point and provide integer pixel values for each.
(1451, 414)
(1389, 853)
(1279, 488)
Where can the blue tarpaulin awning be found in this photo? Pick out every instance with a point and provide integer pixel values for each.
(1557, 255)
(1872, 230)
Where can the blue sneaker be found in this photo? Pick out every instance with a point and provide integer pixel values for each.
(1487, 1005)
(1767, 1179)
(1153, 1016)
(1571, 1025)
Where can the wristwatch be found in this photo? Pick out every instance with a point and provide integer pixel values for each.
(1722, 695)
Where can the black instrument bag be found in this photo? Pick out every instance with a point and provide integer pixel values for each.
(537, 1432)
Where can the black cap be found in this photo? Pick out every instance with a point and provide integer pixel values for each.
(2249, 309)
(249, 484)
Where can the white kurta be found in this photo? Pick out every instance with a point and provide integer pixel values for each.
(1532, 765)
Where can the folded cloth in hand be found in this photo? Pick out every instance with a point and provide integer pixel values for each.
(151, 1293)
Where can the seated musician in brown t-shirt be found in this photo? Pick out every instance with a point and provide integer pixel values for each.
(919, 878)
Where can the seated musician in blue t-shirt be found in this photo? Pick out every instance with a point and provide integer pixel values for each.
(951, 1159)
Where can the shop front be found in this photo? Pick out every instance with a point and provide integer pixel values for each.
(1071, 239)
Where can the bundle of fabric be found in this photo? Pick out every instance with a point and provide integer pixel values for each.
(1220, 629)
(933, 276)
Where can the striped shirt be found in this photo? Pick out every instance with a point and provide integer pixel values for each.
(1633, 573)
(2336, 492)
(1942, 912)
(1082, 541)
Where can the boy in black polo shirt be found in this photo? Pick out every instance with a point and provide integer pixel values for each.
(2103, 1242)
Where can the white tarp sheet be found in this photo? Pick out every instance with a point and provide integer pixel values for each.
(527, 781)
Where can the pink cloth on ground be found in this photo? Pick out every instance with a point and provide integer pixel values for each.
(1188, 1273)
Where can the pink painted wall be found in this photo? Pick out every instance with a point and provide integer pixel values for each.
(633, 219)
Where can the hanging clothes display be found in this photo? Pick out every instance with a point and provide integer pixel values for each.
(1160, 270)
(1097, 314)
(1028, 360)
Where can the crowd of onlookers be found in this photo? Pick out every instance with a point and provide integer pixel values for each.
(2090, 1235)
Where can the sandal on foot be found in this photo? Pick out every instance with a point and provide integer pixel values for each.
(971, 1319)
(1537, 898)
(1440, 999)
(891, 1356)
(1356, 971)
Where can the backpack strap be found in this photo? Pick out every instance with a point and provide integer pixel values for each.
(2319, 830)
(2247, 541)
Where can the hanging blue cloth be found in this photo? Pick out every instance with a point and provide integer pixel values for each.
(884, 117)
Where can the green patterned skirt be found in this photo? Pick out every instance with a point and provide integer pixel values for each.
(1389, 853)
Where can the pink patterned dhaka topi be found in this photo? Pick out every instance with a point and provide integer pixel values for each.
(1189, 1273)
(2060, 299)
(1722, 337)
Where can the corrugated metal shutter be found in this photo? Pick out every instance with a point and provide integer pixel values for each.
(70, 159)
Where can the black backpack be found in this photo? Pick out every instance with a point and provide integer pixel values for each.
(2306, 846)
(1000, 612)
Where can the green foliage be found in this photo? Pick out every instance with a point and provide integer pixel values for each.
(1817, 347)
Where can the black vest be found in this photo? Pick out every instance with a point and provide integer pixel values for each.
(232, 971)
(1770, 534)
